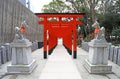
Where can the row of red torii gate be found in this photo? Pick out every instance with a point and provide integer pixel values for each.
(60, 25)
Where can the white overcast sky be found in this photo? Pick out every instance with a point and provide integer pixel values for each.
(36, 5)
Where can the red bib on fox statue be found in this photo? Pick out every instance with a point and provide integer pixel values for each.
(22, 29)
(97, 29)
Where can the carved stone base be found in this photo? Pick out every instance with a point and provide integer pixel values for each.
(21, 69)
(22, 61)
(97, 68)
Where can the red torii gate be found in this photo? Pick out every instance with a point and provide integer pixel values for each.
(60, 25)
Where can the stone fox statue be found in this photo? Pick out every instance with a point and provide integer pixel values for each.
(99, 32)
(19, 32)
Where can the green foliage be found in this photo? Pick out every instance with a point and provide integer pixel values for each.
(89, 37)
(116, 32)
(114, 7)
(116, 43)
(116, 36)
(109, 21)
(79, 42)
(56, 6)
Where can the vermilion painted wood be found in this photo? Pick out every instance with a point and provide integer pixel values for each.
(60, 29)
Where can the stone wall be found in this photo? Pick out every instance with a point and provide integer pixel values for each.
(12, 13)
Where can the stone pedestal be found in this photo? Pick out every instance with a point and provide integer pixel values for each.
(22, 61)
(98, 57)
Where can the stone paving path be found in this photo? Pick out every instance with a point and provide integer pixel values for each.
(60, 66)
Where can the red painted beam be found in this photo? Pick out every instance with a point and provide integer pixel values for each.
(48, 15)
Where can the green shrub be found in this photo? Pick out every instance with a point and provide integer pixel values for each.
(79, 42)
(116, 36)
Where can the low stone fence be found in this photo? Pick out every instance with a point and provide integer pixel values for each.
(40, 45)
(5, 53)
(113, 52)
(85, 46)
(34, 46)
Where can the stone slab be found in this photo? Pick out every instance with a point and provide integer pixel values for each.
(8, 51)
(21, 69)
(112, 52)
(3, 55)
(0, 57)
(40, 45)
(109, 47)
(85, 46)
(97, 68)
(118, 61)
(115, 57)
(34, 46)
